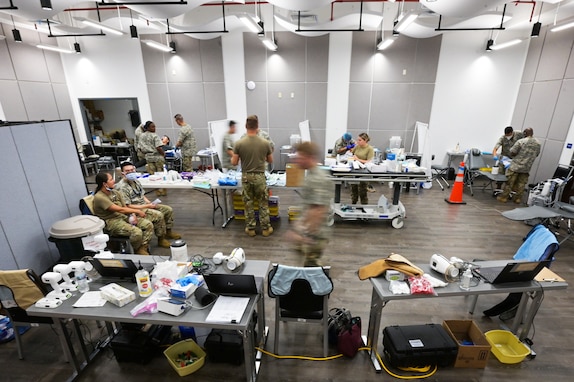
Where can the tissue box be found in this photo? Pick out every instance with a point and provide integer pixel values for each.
(117, 294)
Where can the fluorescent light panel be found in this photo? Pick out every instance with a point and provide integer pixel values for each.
(384, 44)
(562, 27)
(269, 44)
(251, 23)
(102, 27)
(506, 44)
(157, 45)
(54, 48)
(405, 21)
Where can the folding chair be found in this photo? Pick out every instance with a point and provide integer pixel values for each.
(20, 289)
(439, 172)
(302, 295)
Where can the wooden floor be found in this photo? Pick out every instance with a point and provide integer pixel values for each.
(471, 231)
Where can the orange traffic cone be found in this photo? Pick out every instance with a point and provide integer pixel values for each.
(458, 187)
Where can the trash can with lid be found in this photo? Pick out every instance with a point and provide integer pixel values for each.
(67, 235)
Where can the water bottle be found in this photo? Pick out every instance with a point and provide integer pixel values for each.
(132, 219)
(144, 282)
(164, 172)
(81, 280)
(465, 279)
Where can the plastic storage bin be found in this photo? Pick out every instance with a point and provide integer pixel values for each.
(173, 352)
(506, 346)
(67, 235)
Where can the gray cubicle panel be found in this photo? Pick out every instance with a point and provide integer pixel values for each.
(42, 183)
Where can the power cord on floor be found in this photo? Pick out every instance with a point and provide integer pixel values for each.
(329, 358)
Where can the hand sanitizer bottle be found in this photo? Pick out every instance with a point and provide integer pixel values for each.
(144, 282)
(465, 279)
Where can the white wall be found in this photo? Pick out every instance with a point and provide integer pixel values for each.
(340, 50)
(475, 92)
(113, 69)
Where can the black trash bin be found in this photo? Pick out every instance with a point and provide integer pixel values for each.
(67, 235)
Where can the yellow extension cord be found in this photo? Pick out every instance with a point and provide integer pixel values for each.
(411, 369)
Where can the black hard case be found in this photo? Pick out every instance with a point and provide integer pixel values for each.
(223, 345)
(419, 345)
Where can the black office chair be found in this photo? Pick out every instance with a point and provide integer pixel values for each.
(89, 159)
(302, 295)
(538, 234)
(20, 289)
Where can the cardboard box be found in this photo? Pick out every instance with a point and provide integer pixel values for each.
(117, 294)
(293, 175)
(473, 347)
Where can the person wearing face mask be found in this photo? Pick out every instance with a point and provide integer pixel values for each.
(160, 215)
(120, 219)
(505, 142)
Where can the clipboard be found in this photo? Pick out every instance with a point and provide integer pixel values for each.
(546, 275)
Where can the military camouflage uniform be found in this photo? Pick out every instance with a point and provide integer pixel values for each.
(139, 131)
(162, 216)
(148, 143)
(360, 190)
(118, 224)
(523, 154)
(506, 145)
(227, 145)
(253, 151)
(188, 147)
(317, 191)
(340, 143)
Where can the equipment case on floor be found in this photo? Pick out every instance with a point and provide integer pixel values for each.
(419, 345)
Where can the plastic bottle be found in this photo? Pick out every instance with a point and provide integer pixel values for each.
(143, 281)
(164, 172)
(81, 280)
(132, 219)
(465, 279)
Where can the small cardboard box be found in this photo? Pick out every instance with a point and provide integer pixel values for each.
(117, 294)
(293, 175)
(473, 347)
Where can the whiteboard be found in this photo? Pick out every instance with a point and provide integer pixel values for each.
(423, 140)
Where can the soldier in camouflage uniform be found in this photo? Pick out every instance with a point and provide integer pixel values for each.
(160, 215)
(311, 232)
(505, 143)
(111, 208)
(253, 151)
(186, 142)
(139, 154)
(523, 154)
(152, 146)
(227, 147)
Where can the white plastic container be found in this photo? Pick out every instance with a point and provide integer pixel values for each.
(179, 251)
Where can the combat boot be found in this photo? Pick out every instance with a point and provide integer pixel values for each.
(267, 232)
(162, 242)
(172, 235)
(142, 251)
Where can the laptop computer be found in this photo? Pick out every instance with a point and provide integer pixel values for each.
(511, 272)
(115, 268)
(231, 284)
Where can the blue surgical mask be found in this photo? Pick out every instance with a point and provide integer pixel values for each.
(109, 189)
(132, 176)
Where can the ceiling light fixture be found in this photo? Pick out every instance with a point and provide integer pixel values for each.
(17, 35)
(269, 44)
(46, 5)
(506, 44)
(102, 27)
(77, 48)
(172, 46)
(54, 48)
(384, 44)
(133, 29)
(254, 26)
(562, 27)
(405, 21)
(157, 45)
(489, 45)
(536, 29)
